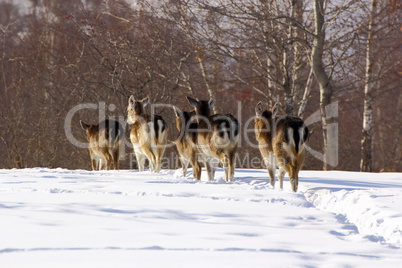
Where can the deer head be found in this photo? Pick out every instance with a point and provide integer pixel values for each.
(135, 108)
(202, 107)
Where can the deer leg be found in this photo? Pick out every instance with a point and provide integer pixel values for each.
(271, 166)
(271, 172)
(108, 159)
(158, 158)
(184, 165)
(93, 162)
(140, 160)
(231, 167)
(294, 178)
(152, 163)
(116, 155)
(225, 164)
(214, 164)
(197, 171)
(196, 166)
(295, 185)
(157, 163)
(210, 167)
(280, 177)
(100, 163)
(151, 157)
(149, 154)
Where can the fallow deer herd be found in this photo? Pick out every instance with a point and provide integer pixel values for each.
(205, 139)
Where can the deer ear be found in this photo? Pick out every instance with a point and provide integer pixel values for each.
(145, 101)
(211, 102)
(275, 109)
(84, 125)
(258, 109)
(193, 102)
(131, 100)
(177, 111)
(305, 134)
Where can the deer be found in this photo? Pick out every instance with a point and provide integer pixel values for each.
(186, 142)
(148, 134)
(217, 138)
(281, 140)
(104, 143)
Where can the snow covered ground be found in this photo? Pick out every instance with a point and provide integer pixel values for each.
(78, 218)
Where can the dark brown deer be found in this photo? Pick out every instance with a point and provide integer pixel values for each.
(148, 134)
(186, 142)
(281, 140)
(217, 138)
(104, 143)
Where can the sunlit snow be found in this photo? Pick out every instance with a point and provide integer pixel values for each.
(78, 218)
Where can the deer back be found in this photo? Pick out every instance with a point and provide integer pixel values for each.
(106, 135)
(290, 138)
(147, 129)
(215, 133)
(265, 127)
(219, 130)
(185, 122)
(187, 126)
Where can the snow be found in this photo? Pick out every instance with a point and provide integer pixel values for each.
(79, 218)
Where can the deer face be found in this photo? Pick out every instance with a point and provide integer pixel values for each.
(135, 109)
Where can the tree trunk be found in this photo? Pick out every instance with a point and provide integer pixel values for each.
(366, 161)
(327, 118)
(289, 74)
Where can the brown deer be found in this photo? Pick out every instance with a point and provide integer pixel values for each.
(281, 140)
(104, 143)
(148, 134)
(217, 138)
(186, 142)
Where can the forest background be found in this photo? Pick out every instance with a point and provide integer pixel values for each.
(336, 64)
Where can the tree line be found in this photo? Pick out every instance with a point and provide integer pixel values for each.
(336, 64)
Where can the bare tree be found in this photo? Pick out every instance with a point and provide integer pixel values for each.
(62, 53)
(263, 36)
(327, 57)
(366, 146)
(317, 63)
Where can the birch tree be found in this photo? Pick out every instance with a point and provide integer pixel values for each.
(366, 162)
(381, 78)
